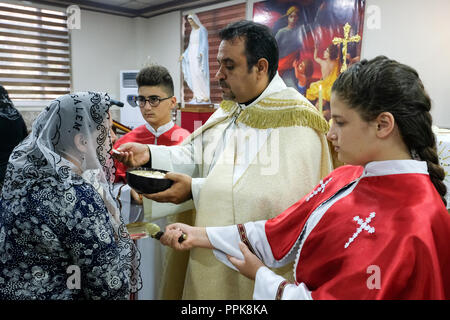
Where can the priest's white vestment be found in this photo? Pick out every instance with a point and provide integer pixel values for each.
(248, 163)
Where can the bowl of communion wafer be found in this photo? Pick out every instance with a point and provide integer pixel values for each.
(148, 180)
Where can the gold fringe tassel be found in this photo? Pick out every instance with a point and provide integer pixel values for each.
(228, 105)
(263, 115)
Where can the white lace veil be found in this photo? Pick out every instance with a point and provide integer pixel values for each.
(70, 145)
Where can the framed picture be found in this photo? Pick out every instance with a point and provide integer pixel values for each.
(315, 44)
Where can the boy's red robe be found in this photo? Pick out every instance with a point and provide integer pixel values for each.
(409, 246)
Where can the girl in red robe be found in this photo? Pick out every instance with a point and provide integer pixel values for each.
(376, 228)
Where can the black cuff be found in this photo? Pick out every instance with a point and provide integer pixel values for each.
(149, 163)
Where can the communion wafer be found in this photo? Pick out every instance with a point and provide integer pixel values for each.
(149, 174)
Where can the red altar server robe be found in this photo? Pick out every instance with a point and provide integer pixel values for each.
(142, 134)
(388, 223)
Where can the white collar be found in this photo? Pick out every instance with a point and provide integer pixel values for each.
(277, 84)
(382, 168)
(161, 130)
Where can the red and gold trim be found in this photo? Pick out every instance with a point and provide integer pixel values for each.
(244, 239)
(280, 290)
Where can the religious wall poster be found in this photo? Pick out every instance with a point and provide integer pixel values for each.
(317, 40)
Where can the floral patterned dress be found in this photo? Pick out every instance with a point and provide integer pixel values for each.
(56, 236)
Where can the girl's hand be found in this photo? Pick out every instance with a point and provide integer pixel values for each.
(250, 265)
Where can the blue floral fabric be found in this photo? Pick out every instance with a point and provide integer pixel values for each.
(53, 230)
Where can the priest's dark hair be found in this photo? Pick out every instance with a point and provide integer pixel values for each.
(259, 43)
(384, 85)
(155, 75)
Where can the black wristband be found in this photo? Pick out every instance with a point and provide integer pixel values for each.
(149, 163)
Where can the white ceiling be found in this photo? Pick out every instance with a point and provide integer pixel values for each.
(131, 8)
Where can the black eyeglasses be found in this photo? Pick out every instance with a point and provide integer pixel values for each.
(140, 101)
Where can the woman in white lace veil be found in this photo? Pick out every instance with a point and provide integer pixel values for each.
(61, 234)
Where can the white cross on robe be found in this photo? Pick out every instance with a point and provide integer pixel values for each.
(364, 225)
(321, 189)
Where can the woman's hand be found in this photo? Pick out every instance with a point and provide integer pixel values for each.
(250, 265)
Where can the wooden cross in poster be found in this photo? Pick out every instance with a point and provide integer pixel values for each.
(344, 42)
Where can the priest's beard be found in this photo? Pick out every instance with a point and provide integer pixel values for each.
(227, 94)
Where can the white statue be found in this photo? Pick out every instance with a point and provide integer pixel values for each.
(195, 63)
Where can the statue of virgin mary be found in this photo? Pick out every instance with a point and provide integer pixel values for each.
(195, 64)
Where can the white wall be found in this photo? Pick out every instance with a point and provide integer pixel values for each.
(104, 45)
(414, 32)
(158, 40)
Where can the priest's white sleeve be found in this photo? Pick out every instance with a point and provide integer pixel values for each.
(196, 186)
(179, 158)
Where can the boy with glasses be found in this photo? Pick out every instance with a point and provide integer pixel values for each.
(156, 101)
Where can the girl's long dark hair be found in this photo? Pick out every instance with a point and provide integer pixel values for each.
(385, 85)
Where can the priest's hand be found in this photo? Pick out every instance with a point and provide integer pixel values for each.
(195, 237)
(250, 265)
(132, 154)
(179, 192)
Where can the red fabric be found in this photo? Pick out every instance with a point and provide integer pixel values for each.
(142, 135)
(409, 245)
(284, 229)
(194, 120)
(286, 62)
